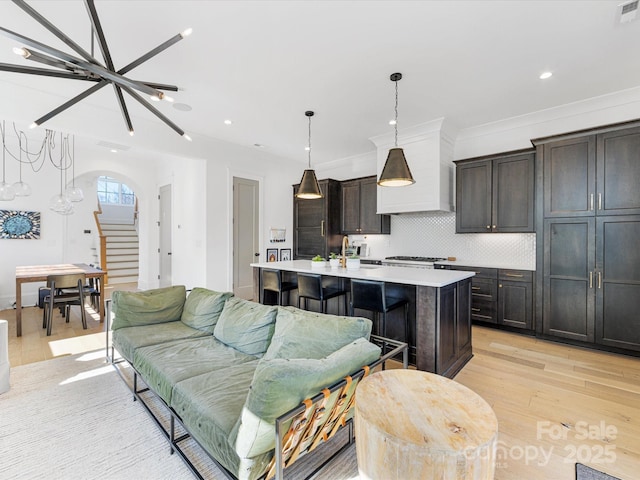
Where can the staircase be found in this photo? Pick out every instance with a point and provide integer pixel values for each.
(122, 252)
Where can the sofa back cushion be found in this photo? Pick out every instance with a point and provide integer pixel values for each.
(203, 307)
(280, 384)
(302, 334)
(246, 326)
(160, 305)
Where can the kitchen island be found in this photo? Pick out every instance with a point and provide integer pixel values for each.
(439, 308)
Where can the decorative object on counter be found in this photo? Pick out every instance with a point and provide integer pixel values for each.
(318, 262)
(353, 262)
(19, 225)
(277, 235)
(88, 68)
(285, 254)
(396, 171)
(272, 254)
(334, 261)
(309, 188)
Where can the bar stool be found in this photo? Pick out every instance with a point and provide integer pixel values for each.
(372, 295)
(272, 281)
(310, 287)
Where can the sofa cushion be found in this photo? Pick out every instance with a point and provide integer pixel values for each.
(127, 340)
(149, 307)
(280, 384)
(163, 366)
(203, 308)
(246, 326)
(302, 334)
(210, 404)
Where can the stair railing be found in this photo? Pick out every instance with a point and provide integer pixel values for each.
(103, 244)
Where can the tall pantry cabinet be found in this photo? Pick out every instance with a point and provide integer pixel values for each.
(588, 257)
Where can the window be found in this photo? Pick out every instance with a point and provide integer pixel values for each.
(111, 191)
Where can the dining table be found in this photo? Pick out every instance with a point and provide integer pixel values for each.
(39, 273)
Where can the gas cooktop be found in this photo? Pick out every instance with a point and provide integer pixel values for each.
(415, 259)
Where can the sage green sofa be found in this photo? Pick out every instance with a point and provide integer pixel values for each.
(227, 368)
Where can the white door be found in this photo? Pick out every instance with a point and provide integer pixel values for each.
(245, 235)
(165, 236)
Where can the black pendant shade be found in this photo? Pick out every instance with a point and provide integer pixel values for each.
(396, 171)
(309, 187)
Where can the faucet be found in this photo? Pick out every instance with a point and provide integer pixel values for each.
(345, 245)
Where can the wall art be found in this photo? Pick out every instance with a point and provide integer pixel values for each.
(15, 224)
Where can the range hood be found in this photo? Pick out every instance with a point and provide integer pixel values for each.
(429, 152)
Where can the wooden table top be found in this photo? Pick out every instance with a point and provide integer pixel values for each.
(35, 273)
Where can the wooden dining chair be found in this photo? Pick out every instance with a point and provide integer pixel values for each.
(64, 291)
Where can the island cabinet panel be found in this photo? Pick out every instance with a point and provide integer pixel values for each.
(496, 194)
(316, 223)
(359, 204)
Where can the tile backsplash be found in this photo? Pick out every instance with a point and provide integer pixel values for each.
(433, 234)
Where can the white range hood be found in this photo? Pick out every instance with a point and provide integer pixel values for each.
(429, 153)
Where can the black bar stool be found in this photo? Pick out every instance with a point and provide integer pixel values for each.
(310, 287)
(272, 281)
(372, 295)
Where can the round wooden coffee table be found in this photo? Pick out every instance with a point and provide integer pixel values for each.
(416, 425)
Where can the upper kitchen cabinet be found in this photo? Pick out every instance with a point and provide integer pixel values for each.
(428, 149)
(359, 201)
(591, 174)
(495, 193)
(316, 223)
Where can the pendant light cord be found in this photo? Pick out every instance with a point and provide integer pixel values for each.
(3, 152)
(309, 142)
(396, 124)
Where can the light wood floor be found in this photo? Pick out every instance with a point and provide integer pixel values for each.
(556, 404)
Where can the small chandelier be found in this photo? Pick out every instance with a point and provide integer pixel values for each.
(396, 171)
(309, 188)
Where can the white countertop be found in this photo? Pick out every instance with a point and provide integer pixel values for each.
(403, 275)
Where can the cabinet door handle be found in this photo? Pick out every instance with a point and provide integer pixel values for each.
(590, 279)
(488, 227)
(599, 279)
(591, 202)
(475, 309)
(600, 201)
(517, 275)
(322, 228)
(475, 288)
(493, 226)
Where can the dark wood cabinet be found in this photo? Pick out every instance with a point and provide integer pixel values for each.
(501, 296)
(359, 204)
(588, 241)
(495, 193)
(592, 174)
(316, 223)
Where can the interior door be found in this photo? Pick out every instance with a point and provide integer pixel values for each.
(165, 236)
(246, 241)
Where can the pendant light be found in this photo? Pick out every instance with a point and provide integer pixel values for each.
(73, 193)
(309, 188)
(396, 171)
(7, 193)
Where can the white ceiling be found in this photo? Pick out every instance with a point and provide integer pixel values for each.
(263, 63)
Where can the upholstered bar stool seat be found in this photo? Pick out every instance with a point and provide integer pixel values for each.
(372, 295)
(272, 281)
(310, 287)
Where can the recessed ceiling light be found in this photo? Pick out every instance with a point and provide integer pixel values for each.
(545, 75)
(392, 122)
(113, 150)
(228, 122)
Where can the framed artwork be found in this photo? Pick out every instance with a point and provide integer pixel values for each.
(285, 254)
(272, 254)
(15, 224)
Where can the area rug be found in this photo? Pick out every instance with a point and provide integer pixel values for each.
(587, 473)
(74, 418)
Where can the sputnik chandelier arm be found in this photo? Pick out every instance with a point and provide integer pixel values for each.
(88, 68)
